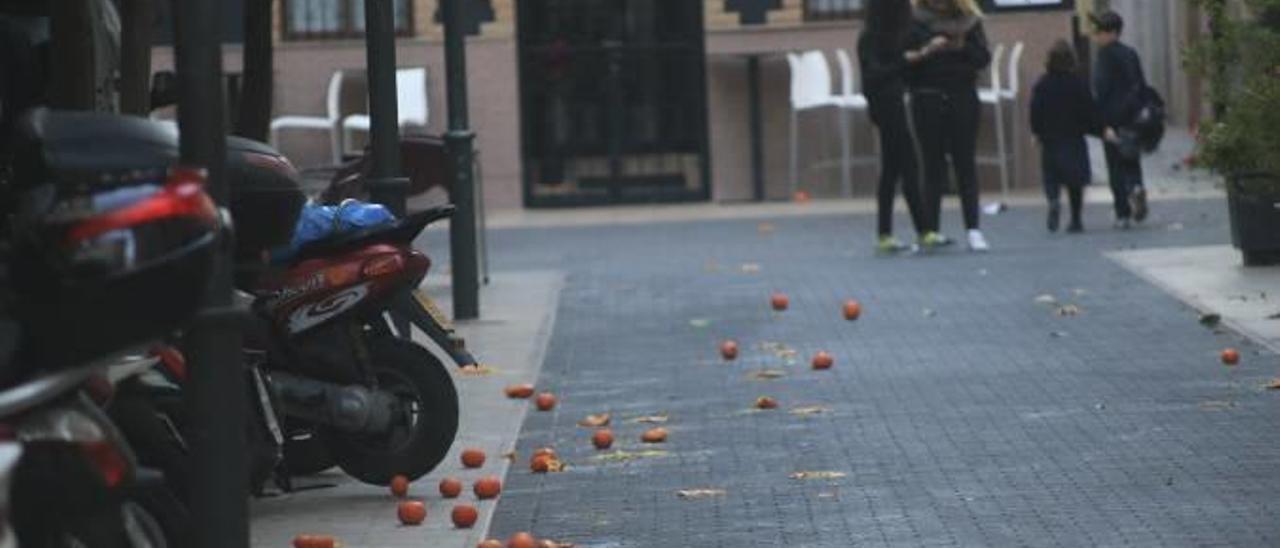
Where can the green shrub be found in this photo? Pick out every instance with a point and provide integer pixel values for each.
(1241, 62)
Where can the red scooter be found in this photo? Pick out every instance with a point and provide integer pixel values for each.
(346, 380)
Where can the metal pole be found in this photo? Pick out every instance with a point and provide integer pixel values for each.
(254, 119)
(135, 57)
(216, 399)
(757, 127)
(459, 141)
(73, 66)
(386, 185)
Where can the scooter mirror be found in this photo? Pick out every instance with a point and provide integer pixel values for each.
(164, 89)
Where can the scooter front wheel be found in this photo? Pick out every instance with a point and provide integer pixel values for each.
(421, 436)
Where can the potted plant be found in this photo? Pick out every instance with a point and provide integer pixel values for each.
(1241, 62)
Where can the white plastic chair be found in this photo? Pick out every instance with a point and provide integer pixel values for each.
(328, 123)
(855, 101)
(411, 104)
(811, 89)
(994, 97)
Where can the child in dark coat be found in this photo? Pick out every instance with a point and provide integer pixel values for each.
(1063, 112)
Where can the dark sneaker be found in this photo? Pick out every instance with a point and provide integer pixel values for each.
(1138, 200)
(1075, 228)
(1055, 217)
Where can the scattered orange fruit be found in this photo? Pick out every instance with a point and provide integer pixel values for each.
(519, 391)
(472, 458)
(823, 360)
(546, 401)
(464, 516)
(602, 439)
(399, 486)
(1230, 356)
(487, 487)
(729, 350)
(765, 402)
(450, 488)
(852, 310)
(544, 451)
(540, 464)
(802, 196)
(315, 541)
(654, 435)
(779, 301)
(521, 540)
(412, 512)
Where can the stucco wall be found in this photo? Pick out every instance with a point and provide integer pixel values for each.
(302, 70)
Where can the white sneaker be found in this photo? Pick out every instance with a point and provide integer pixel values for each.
(977, 242)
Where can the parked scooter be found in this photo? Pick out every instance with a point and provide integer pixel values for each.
(348, 388)
(102, 222)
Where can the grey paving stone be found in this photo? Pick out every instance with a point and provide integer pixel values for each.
(963, 413)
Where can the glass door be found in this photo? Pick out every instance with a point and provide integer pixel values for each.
(613, 101)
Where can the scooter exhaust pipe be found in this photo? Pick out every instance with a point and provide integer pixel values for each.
(350, 408)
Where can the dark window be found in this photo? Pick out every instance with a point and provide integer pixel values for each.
(827, 10)
(320, 19)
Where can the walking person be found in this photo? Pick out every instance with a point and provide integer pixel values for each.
(880, 54)
(1062, 113)
(1119, 86)
(946, 50)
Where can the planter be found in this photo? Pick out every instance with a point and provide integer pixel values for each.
(1253, 202)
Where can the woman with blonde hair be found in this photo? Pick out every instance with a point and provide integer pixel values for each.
(946, 50)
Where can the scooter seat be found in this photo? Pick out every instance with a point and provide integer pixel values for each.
(401, 231)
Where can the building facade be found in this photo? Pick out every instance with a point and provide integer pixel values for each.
(614, 101)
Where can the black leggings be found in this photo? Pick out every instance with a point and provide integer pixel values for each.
(946, 124)
(897, 162)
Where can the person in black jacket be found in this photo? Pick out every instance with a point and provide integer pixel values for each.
(880, 54)
(1062, 113)
(946, 49)
(1119, 85)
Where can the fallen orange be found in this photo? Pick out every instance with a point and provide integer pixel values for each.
(412, 512)
(464, 516)
(472, 458)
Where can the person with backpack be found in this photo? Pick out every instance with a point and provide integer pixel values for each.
(1062, 114)
(880, 54)
(1122, 92)
(946, 50)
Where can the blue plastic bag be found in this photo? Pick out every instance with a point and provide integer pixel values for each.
(318, 222)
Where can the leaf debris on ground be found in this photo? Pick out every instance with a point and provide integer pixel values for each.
(1274, 384)
(1046, 299)
(817, 475)
(650, 419)
(700, 323)
(627, 456)
(478, 370)
(778, 349)
(810, 410)
(595, 421)
(700, 493)
(1067, 310)
(766, 374)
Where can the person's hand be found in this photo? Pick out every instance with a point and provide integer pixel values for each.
(1110, 136)
(938, 42)
(913, 56)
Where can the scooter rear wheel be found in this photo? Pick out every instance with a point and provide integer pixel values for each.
(421, 438)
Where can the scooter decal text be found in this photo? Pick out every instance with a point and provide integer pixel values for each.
(311, 315)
